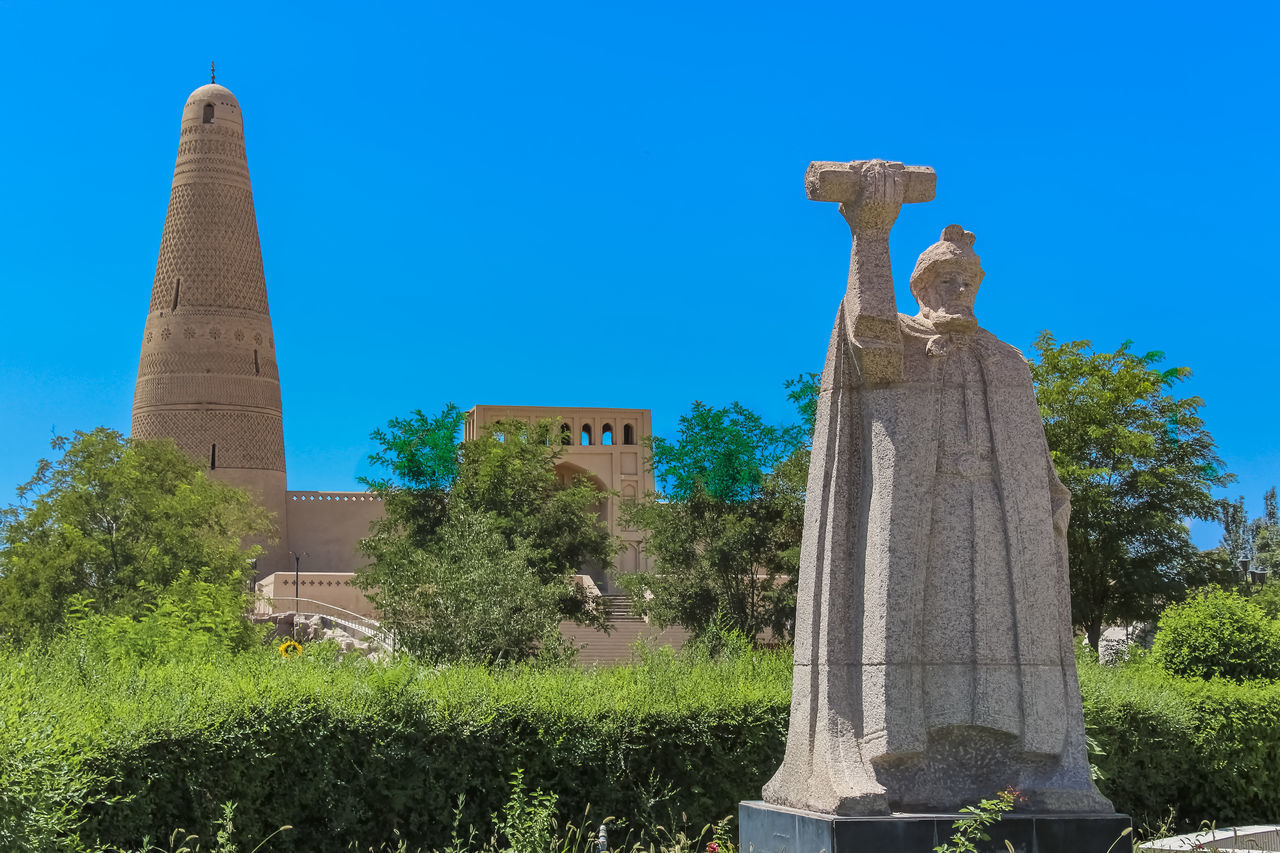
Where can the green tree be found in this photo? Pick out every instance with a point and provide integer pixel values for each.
(1237, 540)
(446, 512)
(1265, 534)
(725, 530)
(418, 459)
(419, 452)
(1266, 550)
(508, 473)
(112, 524)
(1138, 461)
(1258, 539)
(471, 597)
(803, 392)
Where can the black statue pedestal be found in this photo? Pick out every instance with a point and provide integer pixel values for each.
(764, 828)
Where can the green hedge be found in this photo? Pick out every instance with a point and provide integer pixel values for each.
(1210, 750)
(356, 753)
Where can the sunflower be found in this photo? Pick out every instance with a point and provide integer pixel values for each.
(290, 649)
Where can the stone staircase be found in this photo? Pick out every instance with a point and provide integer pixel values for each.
(597, 647)
(618, 608)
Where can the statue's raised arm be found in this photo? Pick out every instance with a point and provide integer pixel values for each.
(871, 192)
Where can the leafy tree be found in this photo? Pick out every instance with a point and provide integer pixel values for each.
(470, 598)
(725, 532)
(1259, 539)
(1237, 540)
(726, 453)
(419, 455)
(420, 451)
(448, 511)
(508, 473)
(112, 524)
(1138, 461)
(1265, 534)
(803, 392)
(1266, 550)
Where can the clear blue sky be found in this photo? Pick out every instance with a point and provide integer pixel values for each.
(602, 204)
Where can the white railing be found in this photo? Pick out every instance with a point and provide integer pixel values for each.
(310, 607)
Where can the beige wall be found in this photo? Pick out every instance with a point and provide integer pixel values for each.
(268, 488)
(617, 467)
(333, 588)
(326, 526)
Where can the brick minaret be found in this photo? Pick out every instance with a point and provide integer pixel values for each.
(207, 377)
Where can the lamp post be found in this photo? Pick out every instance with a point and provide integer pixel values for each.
(297, 559)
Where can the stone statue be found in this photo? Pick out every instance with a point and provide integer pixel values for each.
(933, 654)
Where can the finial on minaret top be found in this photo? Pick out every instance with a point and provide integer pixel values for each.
(213, 77)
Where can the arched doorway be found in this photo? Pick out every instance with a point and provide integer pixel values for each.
(566, 473)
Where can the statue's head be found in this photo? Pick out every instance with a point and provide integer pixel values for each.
(946, 278)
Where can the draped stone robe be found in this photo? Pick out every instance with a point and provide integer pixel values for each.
(933, 653)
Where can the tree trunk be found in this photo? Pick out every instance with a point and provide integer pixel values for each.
(1094, 632)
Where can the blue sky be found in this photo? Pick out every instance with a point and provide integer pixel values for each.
(602, 204)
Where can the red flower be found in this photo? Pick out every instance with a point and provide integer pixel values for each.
(712, 847)
(1019, 798)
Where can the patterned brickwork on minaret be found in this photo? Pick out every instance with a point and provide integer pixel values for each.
(207, 377)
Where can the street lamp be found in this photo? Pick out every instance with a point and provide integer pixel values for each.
(297, 559)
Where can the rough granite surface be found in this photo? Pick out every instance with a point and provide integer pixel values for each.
(933, 654)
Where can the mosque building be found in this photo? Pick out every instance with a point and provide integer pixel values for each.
(208, 378)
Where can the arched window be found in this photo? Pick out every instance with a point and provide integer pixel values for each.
(177, 288)
(586, 435)
(566, 435)
(606, 434)
(628, 434)
(208, 113)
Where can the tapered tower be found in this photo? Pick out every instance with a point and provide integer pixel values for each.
(207, 377)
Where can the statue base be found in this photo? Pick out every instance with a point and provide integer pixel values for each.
(765, 828)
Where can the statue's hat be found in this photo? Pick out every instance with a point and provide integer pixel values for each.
(953, 250)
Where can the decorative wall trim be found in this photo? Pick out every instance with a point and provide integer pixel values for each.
(335, 497)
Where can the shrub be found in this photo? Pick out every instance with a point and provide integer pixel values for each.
(378, 753)
(1208, 749)
(356, 752)
(191, 618)
(1217, 634)
(1268, 598)
(44, 781)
